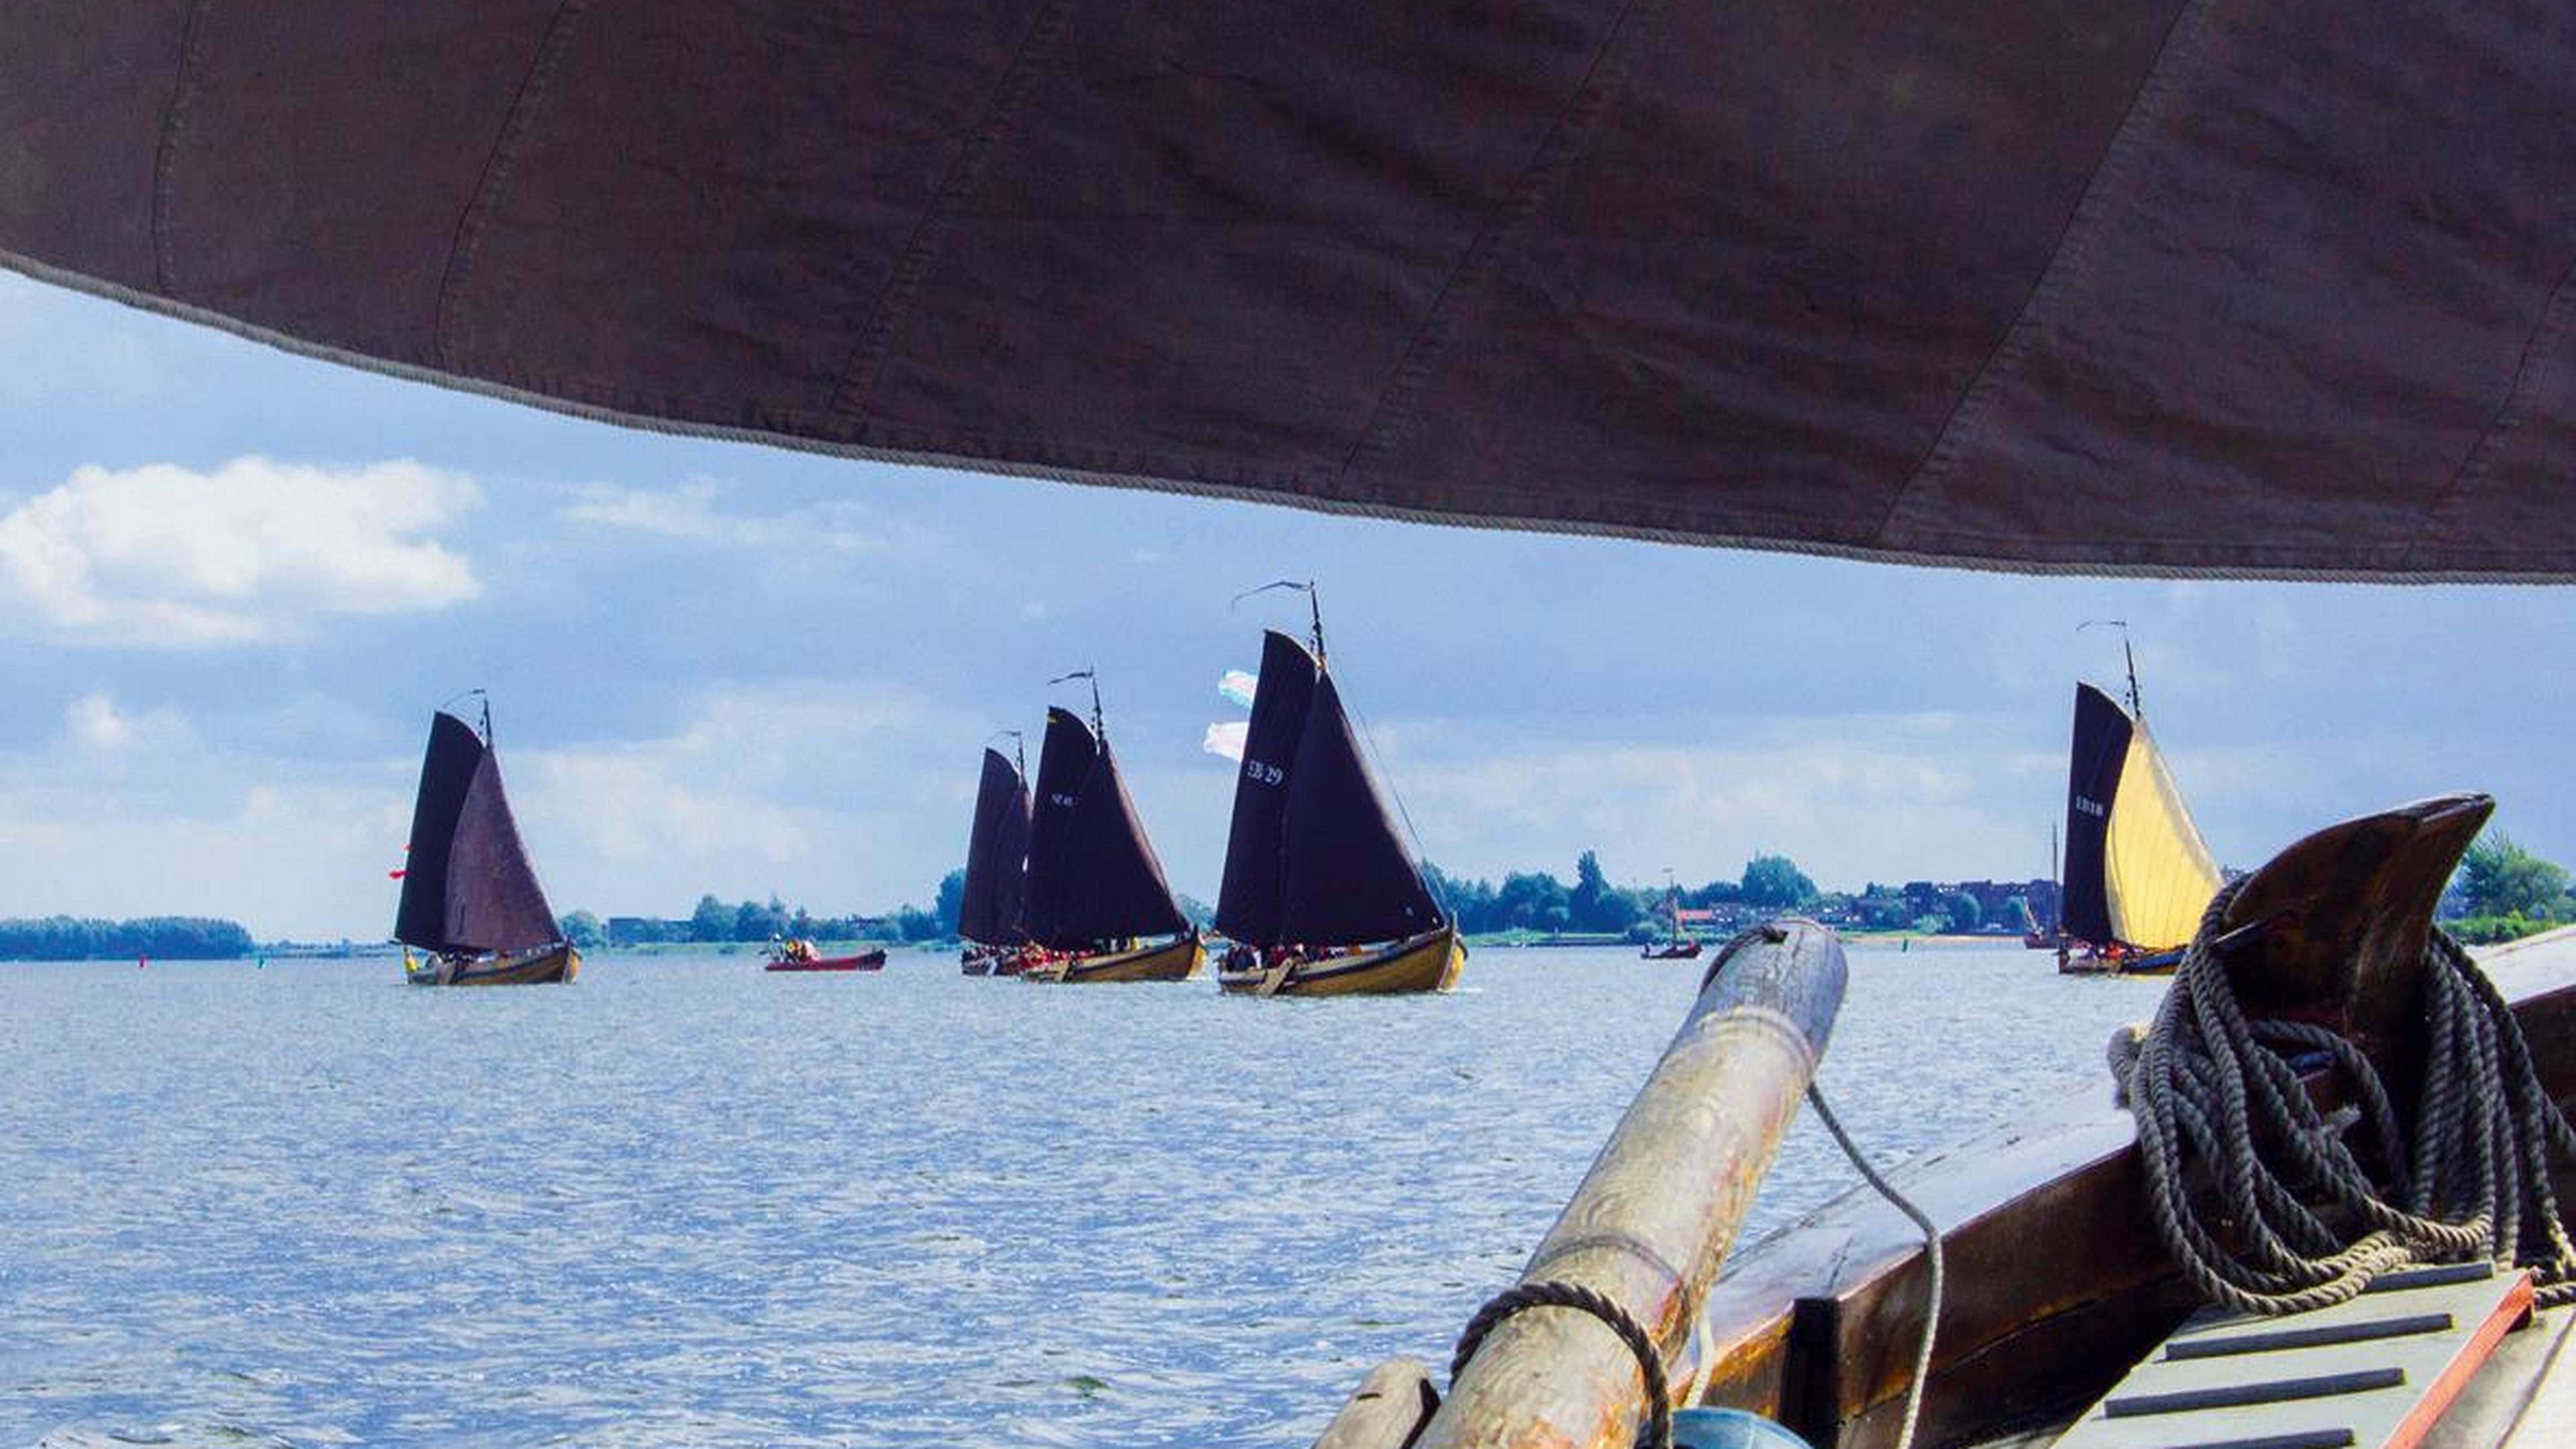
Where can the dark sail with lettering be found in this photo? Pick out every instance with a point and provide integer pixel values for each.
(2092, 778)
(1064, 763)
(2138, 875)
(1348, 876)
(1247, 903)
(467, 884)
(988, 911)
(1112, 884)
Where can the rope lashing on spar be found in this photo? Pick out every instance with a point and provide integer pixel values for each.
(1658, 1430)
(2310, 1227)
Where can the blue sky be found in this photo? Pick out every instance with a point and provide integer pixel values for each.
(233, 584)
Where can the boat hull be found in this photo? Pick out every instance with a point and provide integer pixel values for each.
(546, 966)
(1164, 961)
(1431, 961)
(864, 961)
(1687, 951)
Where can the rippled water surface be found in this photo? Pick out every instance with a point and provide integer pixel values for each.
(685, 1203)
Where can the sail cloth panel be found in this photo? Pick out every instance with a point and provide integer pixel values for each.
(2099, 753)
(1064, 763)
(2174, 286)
(1247, 901)
(1113, 883)
(1348, 877)
(468, 886)
(997, 845)
(2159, 875)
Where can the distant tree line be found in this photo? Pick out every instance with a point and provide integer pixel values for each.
(73, 938)
(717, 921)
(1538, 901)
(2502, 892)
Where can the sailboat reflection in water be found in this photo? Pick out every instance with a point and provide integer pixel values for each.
(469, 897)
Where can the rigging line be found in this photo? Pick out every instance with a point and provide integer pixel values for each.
(1931, 1260)
(1369, 737)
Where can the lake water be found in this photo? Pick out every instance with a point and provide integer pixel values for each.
(685, 1203)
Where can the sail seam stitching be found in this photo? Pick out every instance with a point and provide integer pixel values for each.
(473, 223)
(854, 390)
(2085, 225)
(1549, 163)
(2231, 559)
(183, 92)
(2479, 461)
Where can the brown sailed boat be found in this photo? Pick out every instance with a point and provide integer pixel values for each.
(1678, 944)
(1096, 898)
(470, 898)
(1320, 896)
(2056, 1280)
(997, 871)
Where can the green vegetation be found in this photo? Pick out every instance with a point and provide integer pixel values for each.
(715, 922)
(2503, 892)
(68, 938)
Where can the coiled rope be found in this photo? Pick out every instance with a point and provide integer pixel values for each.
(2471, 1183)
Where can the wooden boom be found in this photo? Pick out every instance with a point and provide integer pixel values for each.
(1652, 1221)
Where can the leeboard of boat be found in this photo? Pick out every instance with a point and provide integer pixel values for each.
(2055, 1281)
(2371, 1373)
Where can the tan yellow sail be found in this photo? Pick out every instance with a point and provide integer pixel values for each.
(2157, 872)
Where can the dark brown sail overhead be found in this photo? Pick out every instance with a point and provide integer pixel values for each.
(1348, 877)
(1247, 901)
(997, 848)
(1064, 763)
(2175, 286)
(1113, 884)
(467, 884)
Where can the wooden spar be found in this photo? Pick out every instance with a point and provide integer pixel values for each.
(1396, 1397)
(1653, 1219)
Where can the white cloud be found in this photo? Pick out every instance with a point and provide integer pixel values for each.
(834, 795)
(97, 722)
(689, 513)
(167, 557)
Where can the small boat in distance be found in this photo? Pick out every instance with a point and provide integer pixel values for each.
(1320, 895)
(797, 954)
(997, 869)
(1096, 897)
(2138, 875)
(2035, 936)
(1680, 945)
(469, 896)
